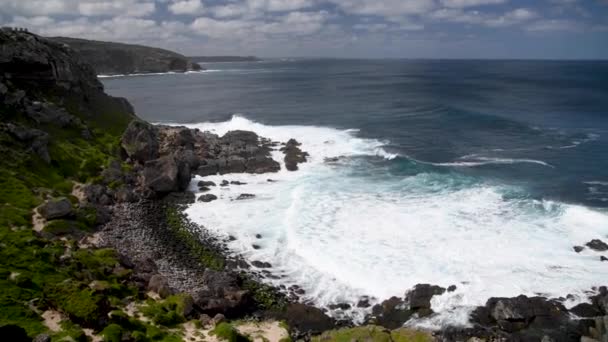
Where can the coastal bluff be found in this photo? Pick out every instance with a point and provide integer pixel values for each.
(109, 58)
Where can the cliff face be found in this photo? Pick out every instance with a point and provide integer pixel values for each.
(109, 58)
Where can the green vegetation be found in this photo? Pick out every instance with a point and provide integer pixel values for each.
(373, 333)
(227, 332)
(266, 296)
(179, 224)
(168, 312)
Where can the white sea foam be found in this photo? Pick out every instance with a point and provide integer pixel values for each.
(156, 74)
(340, 231)
(480, 161)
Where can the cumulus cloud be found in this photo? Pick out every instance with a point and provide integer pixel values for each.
(469, 3)
(385, 8)
(189, 7)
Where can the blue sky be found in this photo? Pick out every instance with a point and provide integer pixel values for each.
(552, 29)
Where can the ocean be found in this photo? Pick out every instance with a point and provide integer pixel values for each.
(480, 174)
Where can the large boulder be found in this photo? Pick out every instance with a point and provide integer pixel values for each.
(166, 174)
(140, 141)
(391, 313)
(293, 155)
(56, 208)
(232, 164)
(159, 284)
(597, 245)
(305, 319)
(222, 295)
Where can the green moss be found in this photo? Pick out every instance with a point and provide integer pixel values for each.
(179, 224)
(373, 333)
(409, 335)
(168, 312)
(78, 301)
(227, 332)
(63, 227)
(266, 296)
(286, 339)
(112, 333)
(70, 332)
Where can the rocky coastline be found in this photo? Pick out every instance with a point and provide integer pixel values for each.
(96, 246)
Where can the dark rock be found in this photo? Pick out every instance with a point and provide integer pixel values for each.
(206, 183)
(231, 238)
(597, 245)
(340, 306)
(586, 310)
(451, 288)
(305, 319)
(203, 189)
(159, 285)
(255, 246)
(38, 140)
(260, 264)
(56, 208)
(363, 303)
(140, 141)
(514, 314)
(222, 295)
(224, 183)
(166, 174)
(293, 155)
(207, 168)
(14, 333)
(258, 236)
(603, 258)
(218, 318)
(391, 313)
(262, 164)
(245, 196)
(578, 249)
(420, 296)
(237, 183)
(207, 198)
(232, 164)
(205, 320)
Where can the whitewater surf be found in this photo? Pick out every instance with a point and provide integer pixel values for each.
(357, 221)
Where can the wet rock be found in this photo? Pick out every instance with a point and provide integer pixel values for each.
(293, 155)
(578, 249)
(420, 296)
(231, 238)
(256, 246)
(597, 245)
(245, 196)
(224, 183)
(603, 258)
(232, 164)
(207, 168)
(207, 198)
(237, 183)
(203, 189)
(140, 141)
(262, 164)
(391, 313)
(586, 310)
(159, 284)
(206, 183)
(258, 236)
(56, 208)
(363, 303)
(451, 288)
(340, 306)
(260, 264)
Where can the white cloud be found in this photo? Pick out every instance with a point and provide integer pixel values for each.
(517, 16)
(470, 3)
(385, 8)
(28, 8)
(187, 7)
(554, 25)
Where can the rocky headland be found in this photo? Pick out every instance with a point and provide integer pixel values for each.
(95, 246)
(108, 58)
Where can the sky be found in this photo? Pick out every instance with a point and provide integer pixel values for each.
(545, 29)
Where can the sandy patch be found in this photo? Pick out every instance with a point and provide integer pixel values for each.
(193, 334)
(90, 334)
(52, 320)
(90, 241)
(78, 192)
(263, 331)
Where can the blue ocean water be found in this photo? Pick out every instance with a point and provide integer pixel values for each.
(480, 174)
(493, 114)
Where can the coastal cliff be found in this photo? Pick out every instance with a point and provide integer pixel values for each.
(108, 58)
(95, 245)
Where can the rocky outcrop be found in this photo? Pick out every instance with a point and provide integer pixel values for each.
(110, 58)
(293, 155)
(140, 141)
(56, 208)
